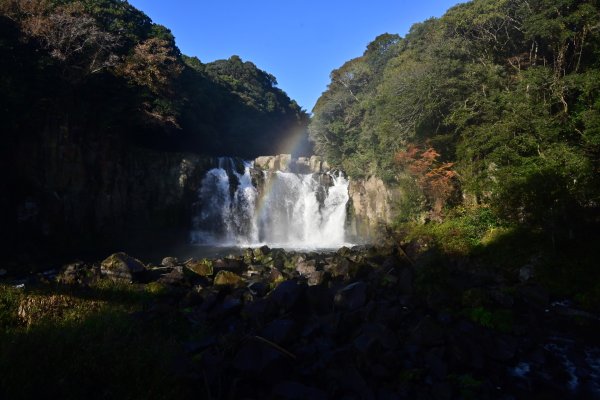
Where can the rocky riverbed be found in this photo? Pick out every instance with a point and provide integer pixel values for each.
(368, 322)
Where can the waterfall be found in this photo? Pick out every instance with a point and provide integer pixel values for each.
(285, 210)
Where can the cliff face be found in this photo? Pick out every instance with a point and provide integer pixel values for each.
(69, 194)
(370, 208)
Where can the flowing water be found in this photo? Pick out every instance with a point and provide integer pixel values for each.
(282, 209)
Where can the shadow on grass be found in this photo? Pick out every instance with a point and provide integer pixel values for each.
(90, 343)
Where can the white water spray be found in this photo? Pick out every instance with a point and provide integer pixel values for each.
(293, 210)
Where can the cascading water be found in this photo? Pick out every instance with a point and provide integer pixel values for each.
(291, 210)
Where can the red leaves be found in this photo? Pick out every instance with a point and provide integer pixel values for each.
(436, 179)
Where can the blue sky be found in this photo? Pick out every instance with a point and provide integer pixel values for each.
(300, 42)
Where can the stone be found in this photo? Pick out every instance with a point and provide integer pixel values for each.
(306, 267)
(287, 294)
(3, 272)
(258, 288)
(229, 264)
(169, 262)
(175, 277)
(316, 278)
(201, 267)
(227, 278)
(122, 267)
(290, 390)
(526, 273)
(260, 252)
(279, 331)
(257, 357)
(75, 272)
(319, 299)
(352, 296)
(428, 332)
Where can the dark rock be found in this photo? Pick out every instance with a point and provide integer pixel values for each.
(176, 277)
(373, 334)
(287, 294)
(279, 331)
(257, 357)
(352, 296)
(121, 267)
(170, 262)
(405, 281)
(76, 272)
(435, 364)
(229, 264)
(319, 299)
(296, 391)
(428, 332)
(258, 288)
(344, 251)
(228, 278)
(228, 307)
(340, 267)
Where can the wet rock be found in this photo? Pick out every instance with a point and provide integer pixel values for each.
(260, 252)
(122, 267)
(170, 262)
(352, 296)
(200, 267)
(228, 278)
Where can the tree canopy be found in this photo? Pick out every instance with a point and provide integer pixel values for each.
(103, 63)
(506, 91)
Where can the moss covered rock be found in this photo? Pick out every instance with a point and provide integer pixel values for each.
(201, 267)
(228, 278)
(122, 267)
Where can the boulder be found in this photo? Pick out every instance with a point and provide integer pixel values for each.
(122, 267)
(287, 294)
(170, 262)
(228, 278)
(175, 277)
(352, 296)
(75, 272)
(201, 267)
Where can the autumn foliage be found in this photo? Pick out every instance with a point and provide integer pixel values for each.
(436, 179)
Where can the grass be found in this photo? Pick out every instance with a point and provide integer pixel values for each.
(97, 343)
(565, 264)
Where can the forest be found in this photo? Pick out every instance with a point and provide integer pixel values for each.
(103, 63)
(496, 103)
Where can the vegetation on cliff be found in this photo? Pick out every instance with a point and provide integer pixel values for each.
(103, 67)
(496, 103)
